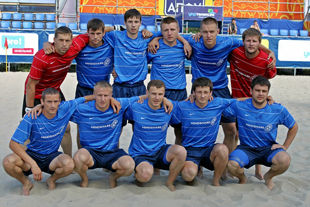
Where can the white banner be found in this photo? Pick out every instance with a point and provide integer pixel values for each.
(294, 50)
(25, 44)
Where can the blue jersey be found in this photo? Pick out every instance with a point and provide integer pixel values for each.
(100, 130)
(168, 65)
(46, 134)
(94, 64)
(200, 125)
(212, 63)
(258, 127)
(130, 58)
(150, 129)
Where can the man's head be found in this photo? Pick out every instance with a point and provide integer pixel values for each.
(251, 40)
(95, 30)
(155, 93)
(103, 94)
(233, 20)
(50, 100)
(209, 30)
(62, 40)
(259, 89)
(170, 30)
(202, 89)
(132, 18)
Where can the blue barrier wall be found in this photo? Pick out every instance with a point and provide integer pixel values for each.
(273, 45)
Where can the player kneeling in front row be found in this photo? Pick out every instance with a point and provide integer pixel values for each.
(258, 123)
(45, 134)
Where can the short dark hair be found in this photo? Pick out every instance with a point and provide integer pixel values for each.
(103, 84)
(95, 24)
(168, 20)
(49, 91)
(260, 80)
(132, 13)
(252, 32)
(63, 30)
(209, 20)
(156, 83)
(202, 82)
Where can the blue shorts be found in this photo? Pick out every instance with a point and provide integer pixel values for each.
(200, 156)
(126, 90)
(247, 156)
(43, 161)
(158, 160)
(224, 93)
(105, 159)
(176, 94)
(82, 91)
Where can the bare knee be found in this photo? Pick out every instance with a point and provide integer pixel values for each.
(189, 173)
(126, 164)
(8, 162)
(233, 166)
(81, 156)
(67, 163)
(176, 152)
(144, 174)
(220, 151)
(281, 160)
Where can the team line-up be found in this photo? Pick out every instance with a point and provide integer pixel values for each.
(248, 115)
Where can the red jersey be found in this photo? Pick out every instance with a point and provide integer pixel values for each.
(52, 69)
(243, 70)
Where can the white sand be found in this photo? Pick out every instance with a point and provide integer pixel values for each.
(291, 189)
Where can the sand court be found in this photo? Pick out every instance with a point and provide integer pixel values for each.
(291, 189)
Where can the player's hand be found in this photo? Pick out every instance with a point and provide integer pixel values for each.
(114, 74)
(153, 46)
(35, 112)
(277, 146)
(146, 34)
(196, 36)
(115, 105)
(48, 48)
(274, 60)
(142, 98)
(37, 173)
(191, 98)
(270, 100)
(167, 105)
(187, 50)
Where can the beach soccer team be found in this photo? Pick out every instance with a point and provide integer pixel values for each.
(248, 116)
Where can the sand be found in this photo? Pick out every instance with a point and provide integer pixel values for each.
(291, 189)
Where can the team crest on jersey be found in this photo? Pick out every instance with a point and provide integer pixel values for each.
(107, 62)
(220, 62)
(164, 127)
(213, 121)
(268, 128)
(114, 123)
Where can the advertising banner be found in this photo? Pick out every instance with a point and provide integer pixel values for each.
(25, 44)
(173, 7)
(294, 50)
(200, 12)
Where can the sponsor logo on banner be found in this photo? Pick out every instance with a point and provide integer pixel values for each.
(200, 12)
(175, 6)
(294, 50)
(19, 44)
(21, 51)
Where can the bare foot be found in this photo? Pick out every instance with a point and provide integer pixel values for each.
(216, 183)
(200, 173)
(84, 183)
(242, 179)
(259, 175)
(27, 186)
(170, 186)
(51, 183)
(112, 181)
(268, 182)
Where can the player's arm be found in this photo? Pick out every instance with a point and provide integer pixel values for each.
(289, 138)
(20, 151)
(30, 92)
(271, 55)
(153, 45)
(187, 46)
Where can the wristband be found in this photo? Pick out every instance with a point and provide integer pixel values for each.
(28, 109)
